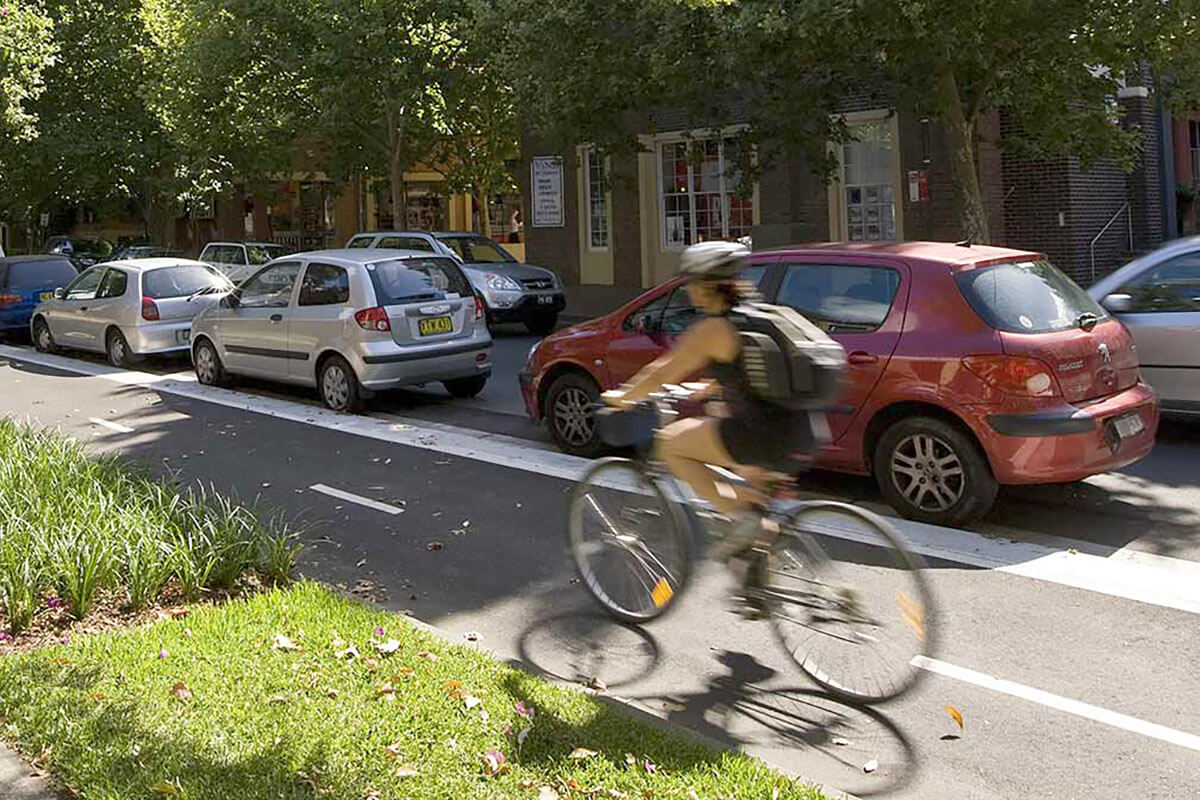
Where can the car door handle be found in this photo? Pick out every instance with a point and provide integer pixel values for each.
(83, 308)
(862, 357)
(277, 318)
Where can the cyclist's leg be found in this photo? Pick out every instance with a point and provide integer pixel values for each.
(688, 447)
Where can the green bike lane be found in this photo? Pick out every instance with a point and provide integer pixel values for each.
(465, 532)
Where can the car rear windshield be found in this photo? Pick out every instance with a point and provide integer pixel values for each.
(37, 274)
(478, 250)
(262, 253)
(182, 281)
(412, 280)
(1027, 297)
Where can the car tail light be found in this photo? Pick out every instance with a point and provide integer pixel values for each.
(14, 299)
(149, 310)
(1014, 375)
(373, 319)
(478, 307)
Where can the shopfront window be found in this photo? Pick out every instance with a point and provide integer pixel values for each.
(868, 193)
(702, 193)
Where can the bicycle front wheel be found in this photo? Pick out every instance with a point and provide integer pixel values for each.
(853, 624)
(628, 540)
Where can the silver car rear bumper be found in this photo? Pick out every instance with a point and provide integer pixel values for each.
(153, 338)
(405, 367)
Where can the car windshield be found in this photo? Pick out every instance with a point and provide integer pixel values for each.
(25, 275)
(181, 281)
(412, 280)
(477, 249)
(262, 253)
(1027, 297)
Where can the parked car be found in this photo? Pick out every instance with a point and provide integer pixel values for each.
(145, 251)
(26, 281)
(83, 251)
(969, 367)
(128, 309)
(237, 260)
(512, 291)
(350, 322)
(1157, 296)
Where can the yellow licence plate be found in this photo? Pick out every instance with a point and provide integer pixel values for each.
(432, 325)
(46, 296)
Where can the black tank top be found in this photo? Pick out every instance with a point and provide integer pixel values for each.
(734, 386)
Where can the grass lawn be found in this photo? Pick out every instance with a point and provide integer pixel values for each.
(300, 693)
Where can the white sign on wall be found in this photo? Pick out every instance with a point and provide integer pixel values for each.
(547, 190)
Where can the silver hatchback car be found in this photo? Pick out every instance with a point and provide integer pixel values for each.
(349, 322)
(128, 309)
(1157, 296)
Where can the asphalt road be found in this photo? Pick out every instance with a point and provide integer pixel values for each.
(1073, 662)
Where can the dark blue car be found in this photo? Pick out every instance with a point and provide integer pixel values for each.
(26, 281)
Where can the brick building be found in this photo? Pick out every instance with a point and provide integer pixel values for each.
(623, 220)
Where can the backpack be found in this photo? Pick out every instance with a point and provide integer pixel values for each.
(787, 360)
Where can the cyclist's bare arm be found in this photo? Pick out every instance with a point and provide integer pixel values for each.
(712, 339)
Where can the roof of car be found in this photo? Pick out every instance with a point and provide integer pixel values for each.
(147, 264)
(239, 244)
(435, 234)
(363, 255)
(32, 257)
(948, 253)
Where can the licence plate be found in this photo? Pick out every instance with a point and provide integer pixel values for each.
(545, 300)
(44, 296)
(434, 325)
(1128, 425)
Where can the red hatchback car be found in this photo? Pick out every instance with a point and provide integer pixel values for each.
(969, 367)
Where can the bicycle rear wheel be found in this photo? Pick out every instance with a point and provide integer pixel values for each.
(628, 540)
(854, 627)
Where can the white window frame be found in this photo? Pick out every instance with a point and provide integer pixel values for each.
(660, 204)
(838, 224)
(589, 154)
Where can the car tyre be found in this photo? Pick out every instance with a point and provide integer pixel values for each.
(931, 471)
(466, 388)
(339, 386)
(207, 363)
(541, 324)
(43, 340)
(569, 411)
(117, 349)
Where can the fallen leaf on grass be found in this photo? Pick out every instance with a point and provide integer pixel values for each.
(547, 793)
(471, 701)
(407, 771)
(181, 691)
(165, 789)
(581, 754)
(650, 767)
(281, 642)
(332, 694)
(393, 750)
(428, 656)
(371, 664)
(386, 692)
(870, 766)
(277, 700)
(388, 647)
(957, 715)
(402, 673)
(522, 736)
(595, 684)
(178, 612)
(493, 763)
(471, 636)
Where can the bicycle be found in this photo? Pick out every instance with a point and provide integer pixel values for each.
(652, 533)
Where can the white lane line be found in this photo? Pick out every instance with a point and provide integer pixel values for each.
(1060, 703)
(356, 498)
(1141, 580)
(112, 426)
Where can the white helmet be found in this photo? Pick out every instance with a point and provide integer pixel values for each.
(713, 260)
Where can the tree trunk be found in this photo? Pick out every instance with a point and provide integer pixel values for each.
(485, 219)
(397, 180)
(966, 169)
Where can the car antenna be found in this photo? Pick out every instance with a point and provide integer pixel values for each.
(964, 243)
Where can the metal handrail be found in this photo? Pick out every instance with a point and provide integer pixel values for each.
(1092, 245)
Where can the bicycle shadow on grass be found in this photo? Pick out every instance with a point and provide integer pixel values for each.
(589, 648)
(738, 709)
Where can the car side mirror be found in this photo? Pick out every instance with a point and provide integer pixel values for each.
(231, 300)
(1118, 302)
(60, 293)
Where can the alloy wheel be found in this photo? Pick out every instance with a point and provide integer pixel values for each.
(927, 472)
(45, 341)
(574, 417)
(206, 365)
(335, 386)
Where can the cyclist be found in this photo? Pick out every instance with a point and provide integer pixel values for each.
(742, 433)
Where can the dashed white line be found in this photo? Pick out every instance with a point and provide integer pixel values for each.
(356, 498)
(1060, 703)
(112, 426)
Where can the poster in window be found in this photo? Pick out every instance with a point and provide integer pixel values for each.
(547, 190)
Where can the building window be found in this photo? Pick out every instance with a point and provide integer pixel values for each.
(868, 194)
(1194, 133)
(701, 197)
(595, 170)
